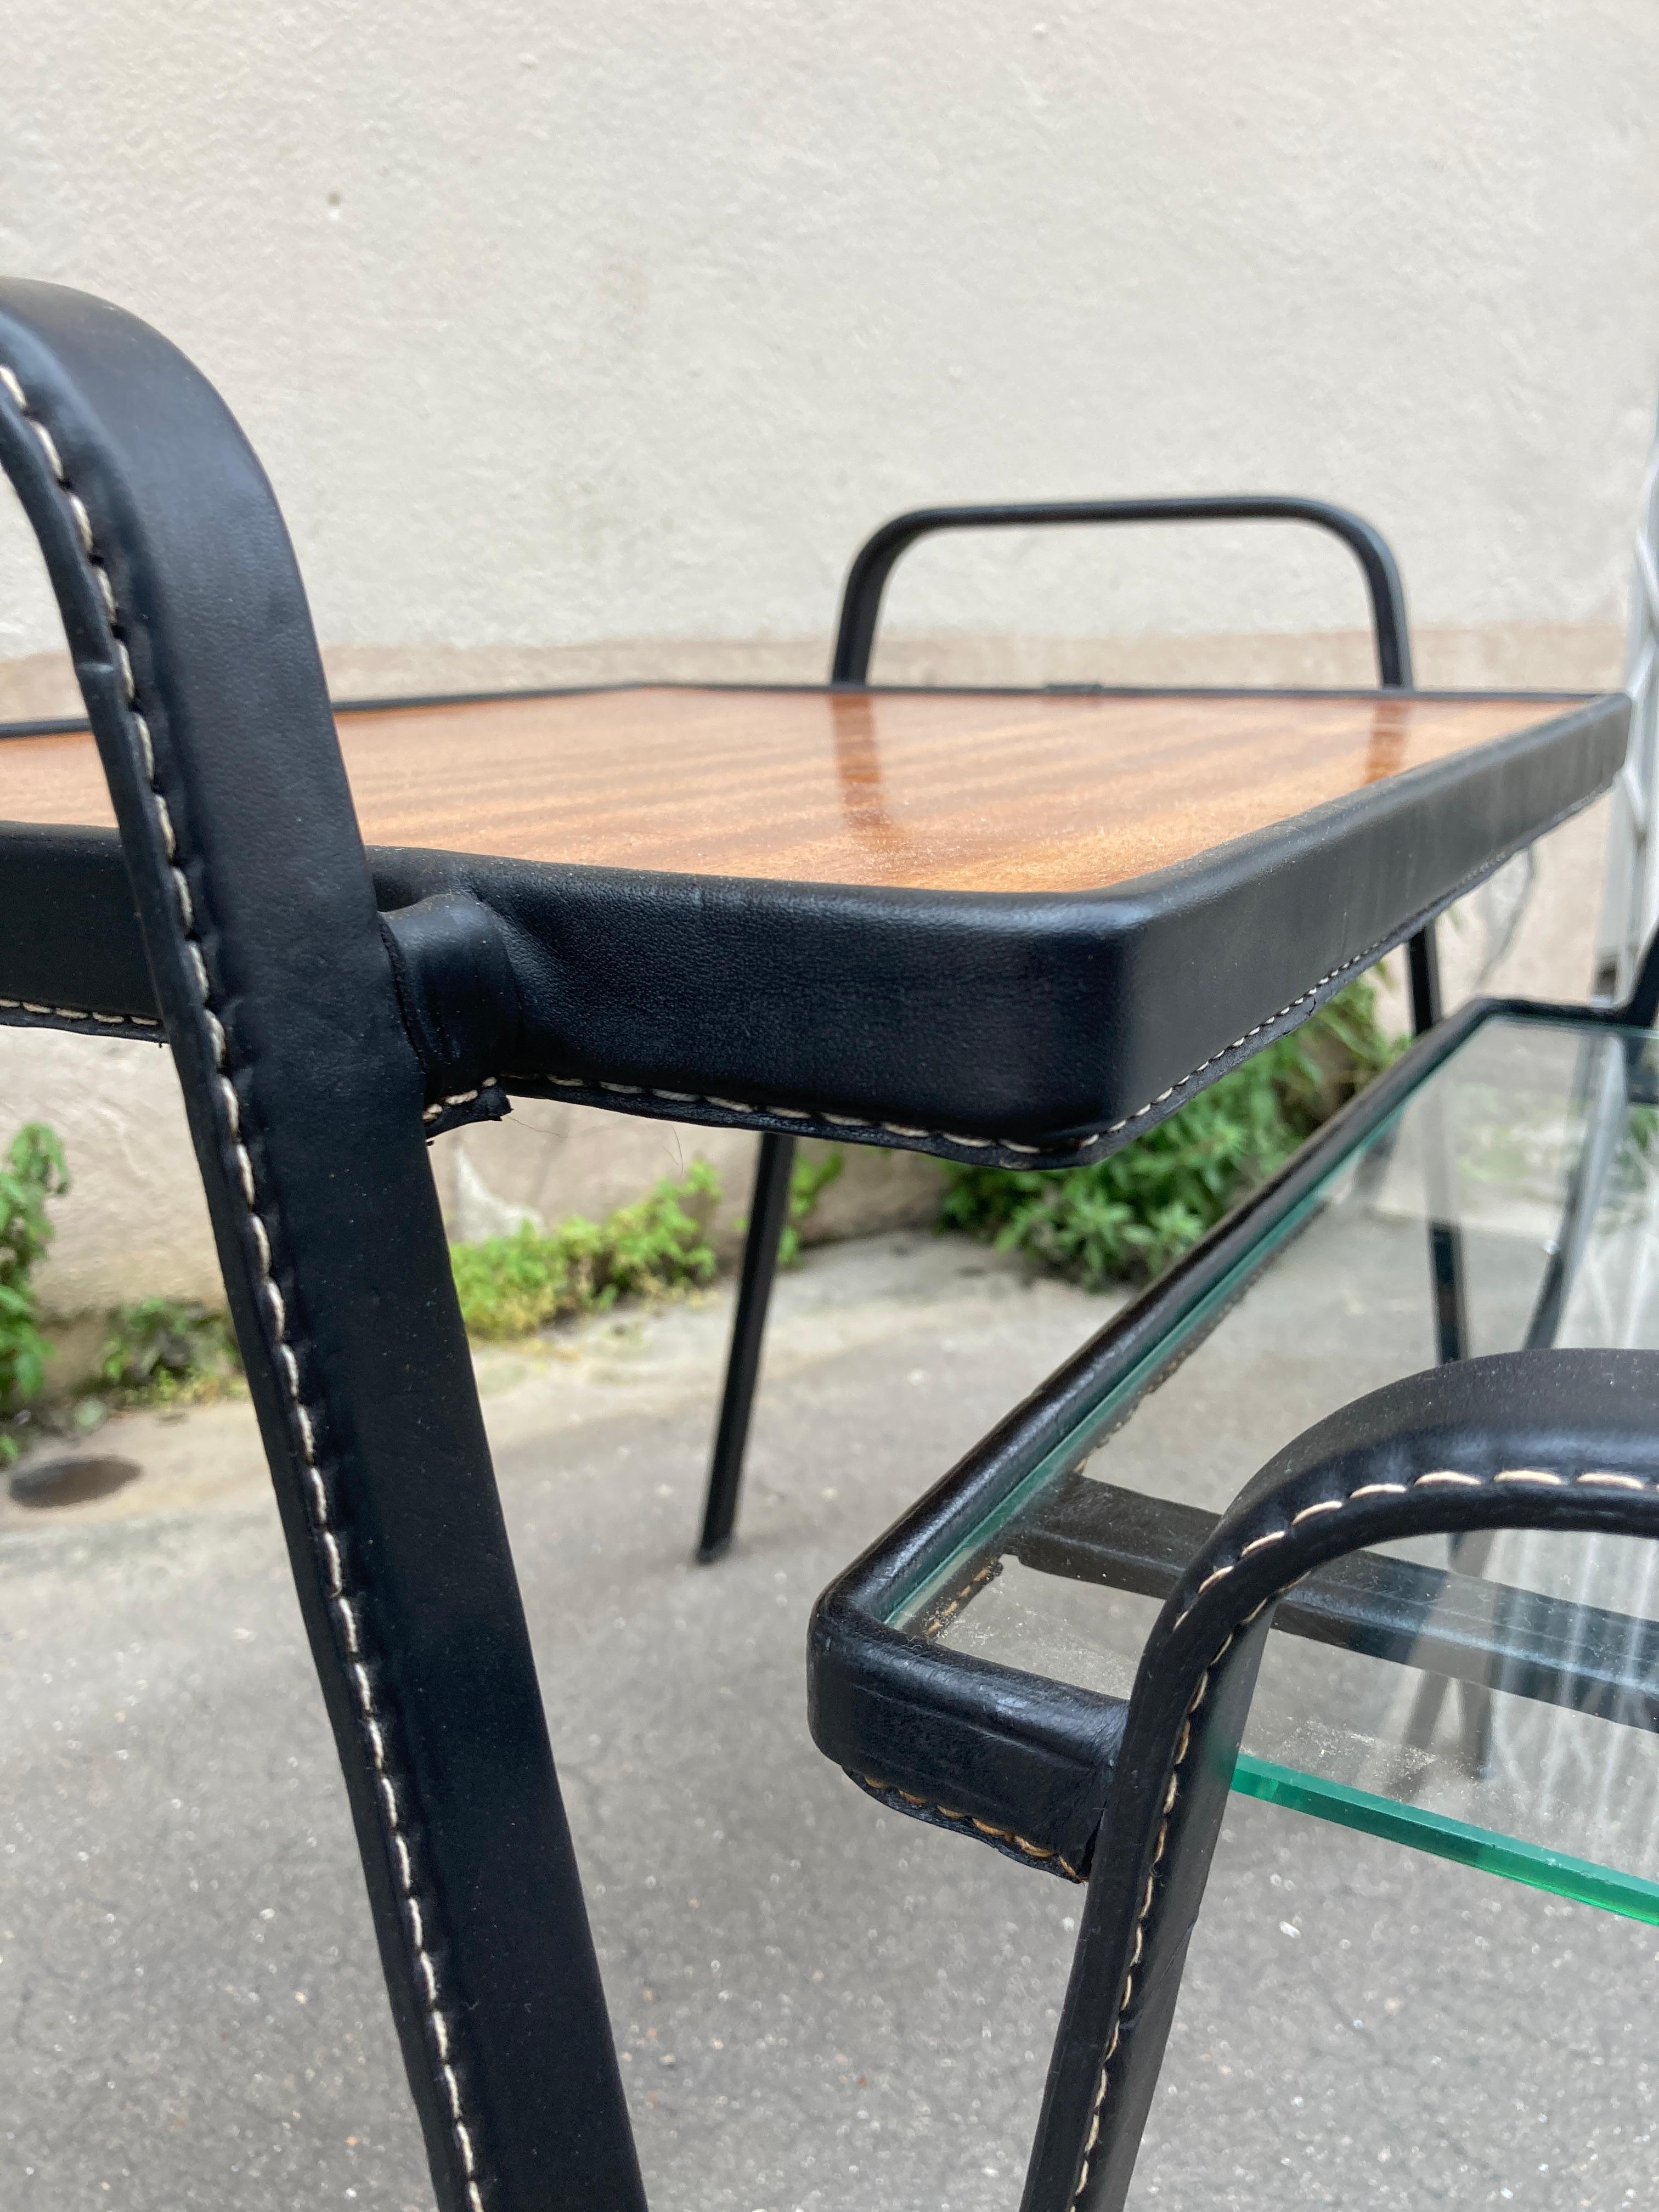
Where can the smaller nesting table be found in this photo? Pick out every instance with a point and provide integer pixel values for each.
(996, 1665)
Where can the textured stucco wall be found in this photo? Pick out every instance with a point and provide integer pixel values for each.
(625, 320)
(590, 340)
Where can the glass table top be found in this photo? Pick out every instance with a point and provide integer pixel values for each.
(1513, 1201)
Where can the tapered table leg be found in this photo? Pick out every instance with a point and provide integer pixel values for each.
(768, 1216)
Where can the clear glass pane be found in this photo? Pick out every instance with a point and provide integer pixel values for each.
(1512, 1201)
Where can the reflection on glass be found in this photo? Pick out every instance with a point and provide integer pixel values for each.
(1537, 1147)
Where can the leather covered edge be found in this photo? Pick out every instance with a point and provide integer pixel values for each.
(1056, 1028)
(985, 1747)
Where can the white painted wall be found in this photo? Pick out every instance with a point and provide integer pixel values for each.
(626, 320)
(594, 337)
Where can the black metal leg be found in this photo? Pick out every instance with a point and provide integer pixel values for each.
(1445, 1245)
(1450, 1314)
(1423, 965)
(1468, 1553)
(1601, 1083)
(1474, 1698)
(768, 1215)
(1451, 1335)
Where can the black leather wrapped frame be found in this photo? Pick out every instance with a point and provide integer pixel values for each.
(1565, 1440)
(1002, 1029)
(193, 646)
(1129, 1794)
(1022, 1762)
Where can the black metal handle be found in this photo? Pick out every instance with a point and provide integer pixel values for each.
(867, 579)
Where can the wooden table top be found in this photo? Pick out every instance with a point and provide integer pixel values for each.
(962, 791)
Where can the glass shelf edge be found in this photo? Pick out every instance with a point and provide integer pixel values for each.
(1483, 1848)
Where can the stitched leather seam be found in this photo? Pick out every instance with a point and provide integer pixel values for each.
(147, 1022)
(937, 1622)
(1438, 1478)
(80, 1013)
(345, 1608)
(845, 1121)
(969, 1820)
(456, 1098)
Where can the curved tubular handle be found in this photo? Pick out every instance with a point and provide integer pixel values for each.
(1556, 1439)
(193, 645)
(867, 579)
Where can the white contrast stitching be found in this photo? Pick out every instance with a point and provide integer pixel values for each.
(1170, 1795)
(969, 1820)
(80, 1014)
(1260, 1543)
(1310, 1512)
(937, 1620)
(343, 1606)
(935, 1626)
(1435, 1477)
(953, 1137)
(459, 1098)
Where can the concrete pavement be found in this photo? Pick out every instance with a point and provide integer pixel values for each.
(819, 2004)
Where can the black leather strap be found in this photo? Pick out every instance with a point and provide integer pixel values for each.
(455, 991)
(1554, 1439)
(193, 646)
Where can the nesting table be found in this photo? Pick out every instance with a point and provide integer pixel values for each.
(973, 1670)
(1062, 1651)
(1010, 927)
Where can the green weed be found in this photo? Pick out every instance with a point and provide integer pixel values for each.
(808, 1180)
(1127, 1218)
(657, 1247)
(165, 1352)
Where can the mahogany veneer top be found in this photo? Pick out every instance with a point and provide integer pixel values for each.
(964, 790)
